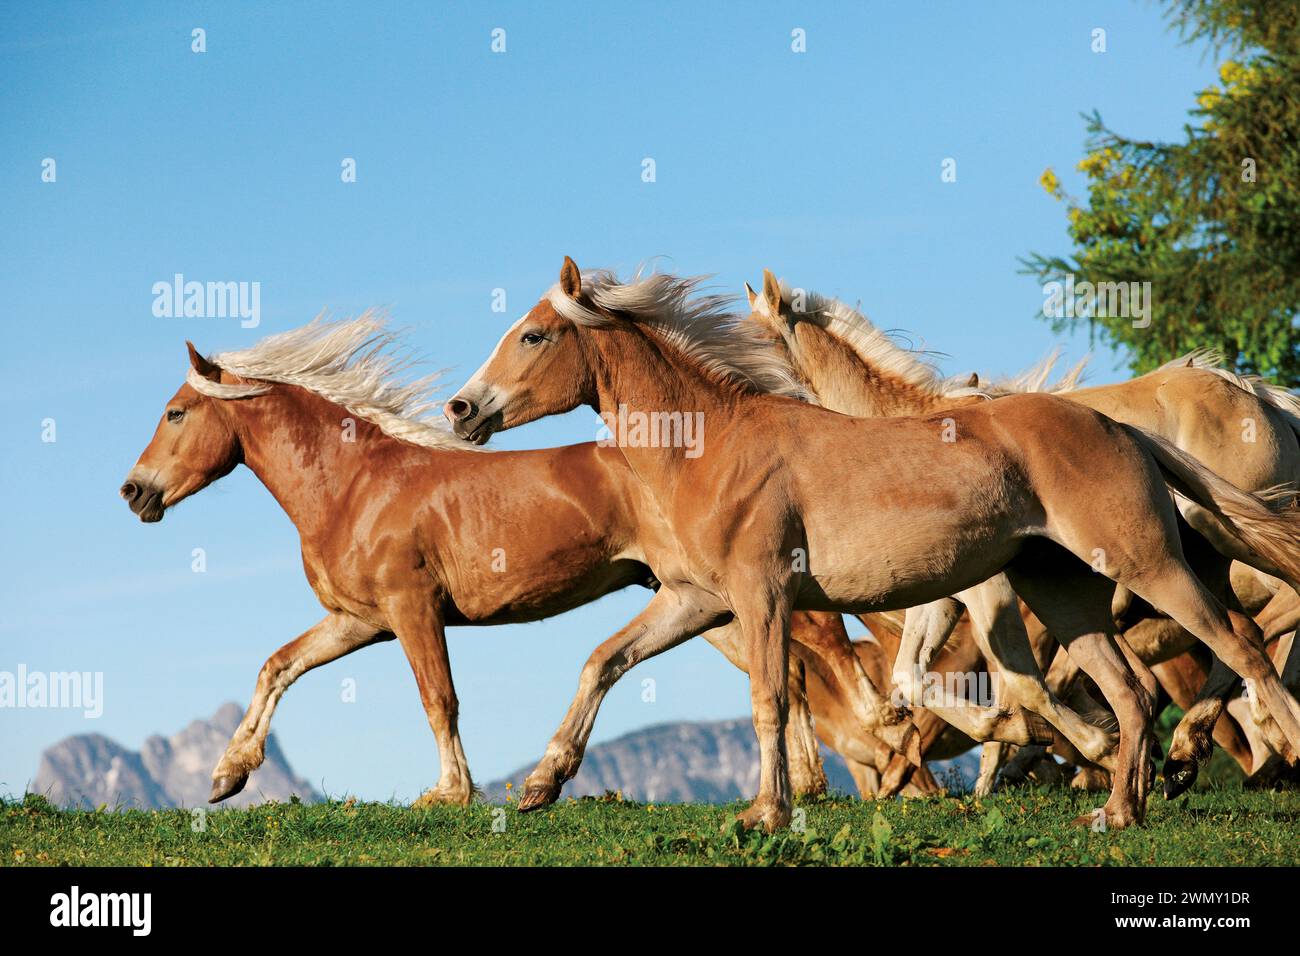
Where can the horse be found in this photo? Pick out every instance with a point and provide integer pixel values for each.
(1241, 428)
(763, 519)
(405, 529)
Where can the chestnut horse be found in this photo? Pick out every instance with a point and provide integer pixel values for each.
(406, 529)
(1242, 429)
(790, 506)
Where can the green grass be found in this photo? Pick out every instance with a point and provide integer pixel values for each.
(1022, 827)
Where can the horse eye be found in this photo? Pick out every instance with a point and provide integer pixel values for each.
(532, 338)
(175, 414)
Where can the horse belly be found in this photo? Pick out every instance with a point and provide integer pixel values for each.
(902, 564)
(542, 589)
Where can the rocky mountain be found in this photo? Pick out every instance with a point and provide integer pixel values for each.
(89, 770)
(710, 762)
(696, 761)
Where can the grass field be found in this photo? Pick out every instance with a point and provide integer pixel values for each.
(1023, 827)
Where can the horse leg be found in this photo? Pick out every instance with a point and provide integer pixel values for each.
(765, 619)
(328, 640)
(1280, 615)
(824, 634)
(865, 776)
(1158, 575)
(1287, 659)
(1193, 738)
(992, 756)
(898, 774)
(922, 784)
(1231, 636)
(978, 721)
(419, 628)
(1182, 678)
(807, 775)
(925, 630)
(1271, 757)
(674, 615)
(1000, 631)
(1075, 605)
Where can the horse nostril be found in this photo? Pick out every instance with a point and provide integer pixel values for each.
(458, 409)
(130, 491)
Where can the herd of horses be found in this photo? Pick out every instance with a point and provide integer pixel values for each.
(1092, 552)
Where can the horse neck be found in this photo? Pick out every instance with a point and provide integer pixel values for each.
(635, 372)
(294, 441)
(844, 381)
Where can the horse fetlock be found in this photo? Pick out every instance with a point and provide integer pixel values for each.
(769, 813)
(808, 777)
(1193, 738)
(1091, 779)
(458, 793)
(239, 761)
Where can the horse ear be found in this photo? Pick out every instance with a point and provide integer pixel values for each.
(771, 292)
(974, 380)
(200, 364)
(753, 296)
(570, 279)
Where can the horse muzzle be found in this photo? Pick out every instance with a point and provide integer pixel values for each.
(469, 422)
(144, 499)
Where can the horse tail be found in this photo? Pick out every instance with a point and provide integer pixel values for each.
(1273, 535)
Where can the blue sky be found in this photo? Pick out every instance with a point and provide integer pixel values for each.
(475, 171)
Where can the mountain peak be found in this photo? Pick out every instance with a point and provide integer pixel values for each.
(90, 770)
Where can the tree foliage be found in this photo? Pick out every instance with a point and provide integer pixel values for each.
(1212, 222)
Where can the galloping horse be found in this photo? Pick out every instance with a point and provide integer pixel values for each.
(1240, 428)
(793, 506)
(406, 529)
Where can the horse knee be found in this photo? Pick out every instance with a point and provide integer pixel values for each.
(1023, 690)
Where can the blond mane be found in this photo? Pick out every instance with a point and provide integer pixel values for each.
(351, 362)
(878, 350)
(1034, 378)
(702, 327)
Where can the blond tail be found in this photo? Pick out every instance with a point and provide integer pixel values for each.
(1273, 535)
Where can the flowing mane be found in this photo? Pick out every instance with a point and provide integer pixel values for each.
(878, 350)
(351, 362)
(1034, 378)
(873, 346)
(702, 327)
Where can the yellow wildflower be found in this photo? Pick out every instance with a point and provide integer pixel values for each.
(1096, 164)
(1051, 185)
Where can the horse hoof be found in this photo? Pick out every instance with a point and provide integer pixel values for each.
(768, 816)
(439, 797)
(535, 798)
(223, 788)
(904, 739)
(1179, 777)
